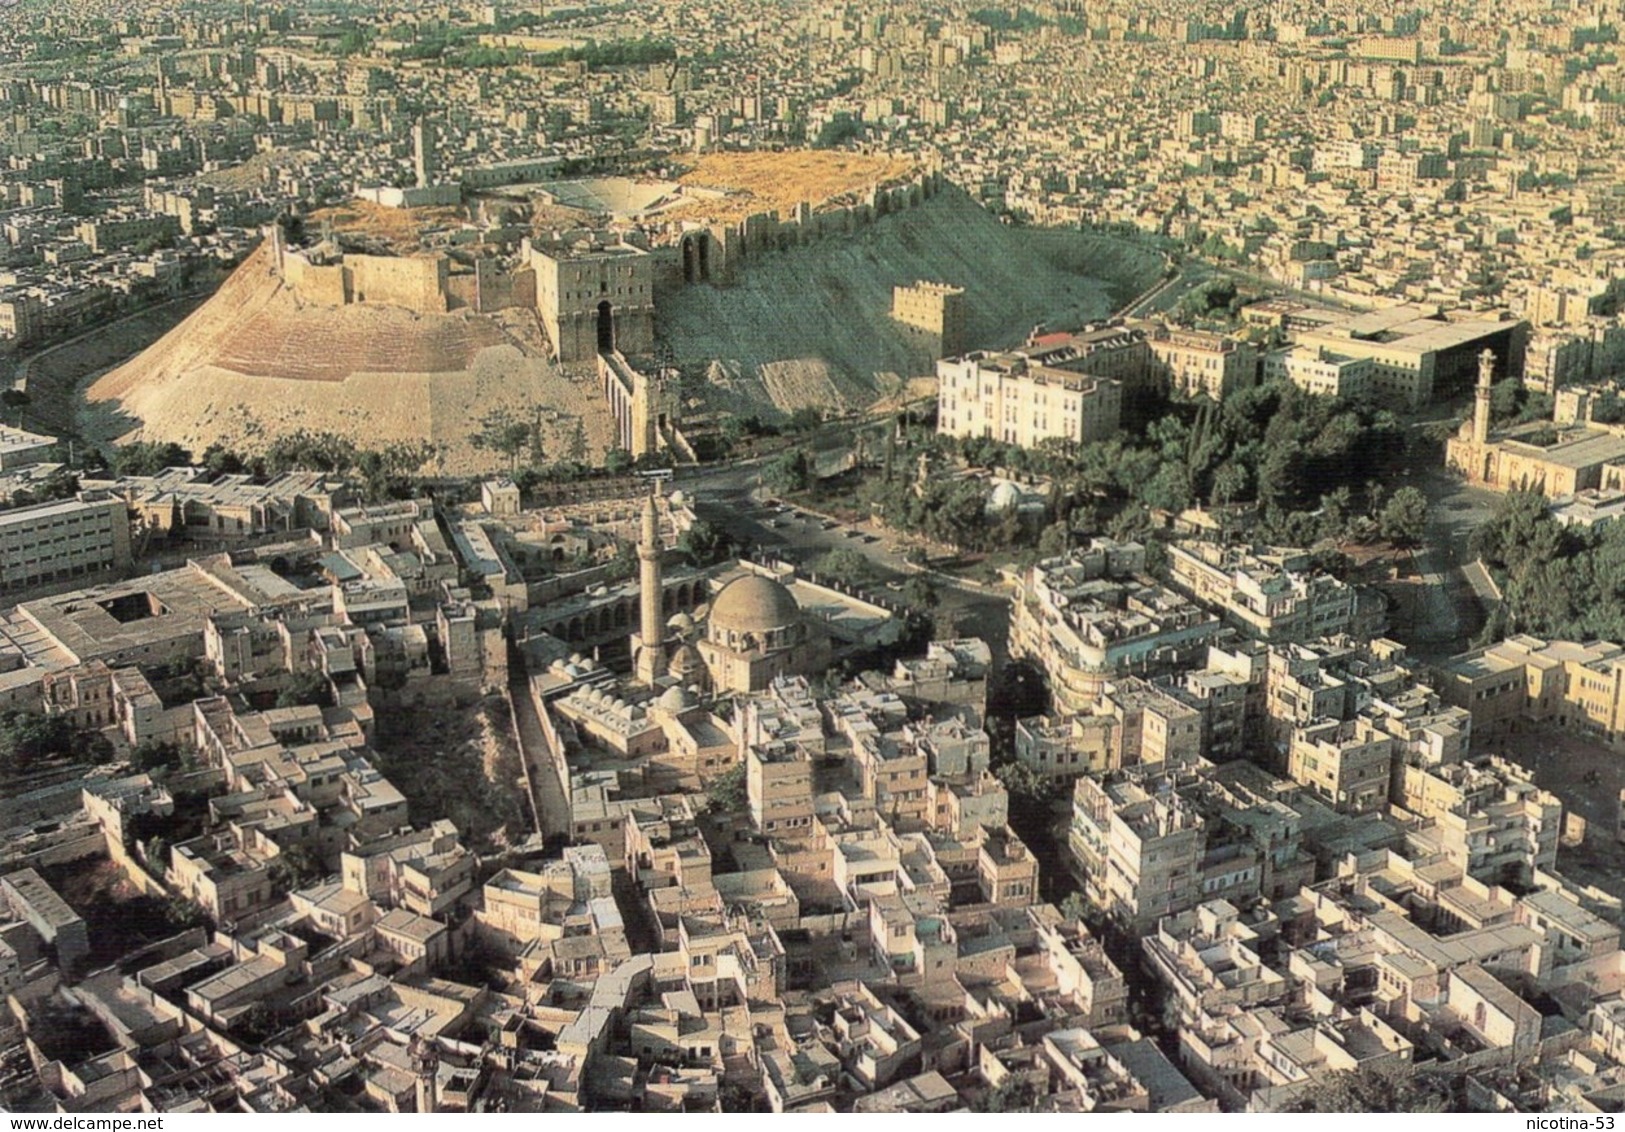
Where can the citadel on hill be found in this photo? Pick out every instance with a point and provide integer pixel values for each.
(733, 556)
(306, 334)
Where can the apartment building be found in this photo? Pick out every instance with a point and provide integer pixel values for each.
(1140, 846)
(1321, 371)
(1487, 817)
(1523, 679)
(1198, 363)
(1093, 615)
(1026, 397)
(1346, 762)
(69, 538)
(1271, 593)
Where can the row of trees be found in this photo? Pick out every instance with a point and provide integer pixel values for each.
(1316, 469)
(388, 472)
(393, 472)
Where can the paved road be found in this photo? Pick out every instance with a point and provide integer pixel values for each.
(1454, 598)
(56, 401)
(1168, 294)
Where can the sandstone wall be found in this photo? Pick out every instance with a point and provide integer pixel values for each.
(462, 291)
(326, 284)
(417, 283)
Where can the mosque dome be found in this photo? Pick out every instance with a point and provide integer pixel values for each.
(754, 604)
(675, 699)
(1006, 497)
(685, 662)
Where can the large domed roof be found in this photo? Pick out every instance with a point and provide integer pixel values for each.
(754, 604)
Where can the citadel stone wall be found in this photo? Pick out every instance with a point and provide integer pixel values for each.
(589, 298)
(417, 283)
(714, 253)
(596, 298)
(324, 284)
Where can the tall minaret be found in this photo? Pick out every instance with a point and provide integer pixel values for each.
(1481, 409)
(426, 1064)
(650, 647)
(423, 154)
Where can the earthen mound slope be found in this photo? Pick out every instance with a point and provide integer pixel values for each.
(811, 326)
(255, 362)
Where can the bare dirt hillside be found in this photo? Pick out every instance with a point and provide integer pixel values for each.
(812, 326)
(254, 363)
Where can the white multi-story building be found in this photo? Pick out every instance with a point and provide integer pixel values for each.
(1200, 364)
(1026, 396)
(1320, 371)
(1270, 594)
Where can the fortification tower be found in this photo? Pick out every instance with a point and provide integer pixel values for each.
(649, 648)
(1481, 407)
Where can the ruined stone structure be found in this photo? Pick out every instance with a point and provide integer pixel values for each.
(425, 283)
(645, 407)
(936, 312)
(716, 253)
(417, 283)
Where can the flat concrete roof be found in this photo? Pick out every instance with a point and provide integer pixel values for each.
(156, 610)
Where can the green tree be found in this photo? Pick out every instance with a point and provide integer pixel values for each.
(1074, 907)
(148, 458)
(218, 460)
(182, 913)
(804, 419)
(1230, 484)
(155, 852)
(151, 754)
(1404, 519)
(308, 687)
(15, 399)
(1030, 792)
(294, 867)
(576, 447)
(1055, 540)
(508, 436)
(727, 792)
(352, 42)
(706, 544)
(918, 593)
(789, 472)
(836, 132)
(845, 565)
(28, 739)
